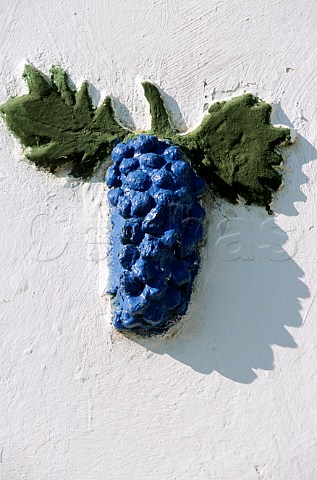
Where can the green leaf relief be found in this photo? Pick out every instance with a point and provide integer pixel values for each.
(235, 149)
(61, 125)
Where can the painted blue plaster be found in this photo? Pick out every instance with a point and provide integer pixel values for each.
(157, 224)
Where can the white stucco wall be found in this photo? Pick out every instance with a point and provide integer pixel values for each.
(232, 395)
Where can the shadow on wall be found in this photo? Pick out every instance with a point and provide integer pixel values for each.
(248, 290)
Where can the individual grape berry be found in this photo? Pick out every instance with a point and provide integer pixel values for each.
(121, 151)
(163, 179)
(131, 231)
(151, 161)
(169, 238)
(146, 143)
(137, 180)
(150, 247)
(113, 177)
(146, 270)
(124, 206)
(184, 196)
(181, 170)
(154, 221)
(163, 197)
(141, 203)
(172, 153)
(113, 196)
(157, 226)
(131, 284)
(128, 165)
(128, 256)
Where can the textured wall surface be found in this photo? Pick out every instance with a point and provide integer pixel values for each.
(232, 393)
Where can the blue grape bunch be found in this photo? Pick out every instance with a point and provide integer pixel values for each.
(157, 224)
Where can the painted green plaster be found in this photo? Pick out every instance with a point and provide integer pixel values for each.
(160, 122)
(61, 125)
(234, 148)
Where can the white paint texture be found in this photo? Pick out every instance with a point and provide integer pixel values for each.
(233, 394)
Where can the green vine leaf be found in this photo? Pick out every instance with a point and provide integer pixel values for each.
(238, 149)
(60, 125)
(235, 149)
